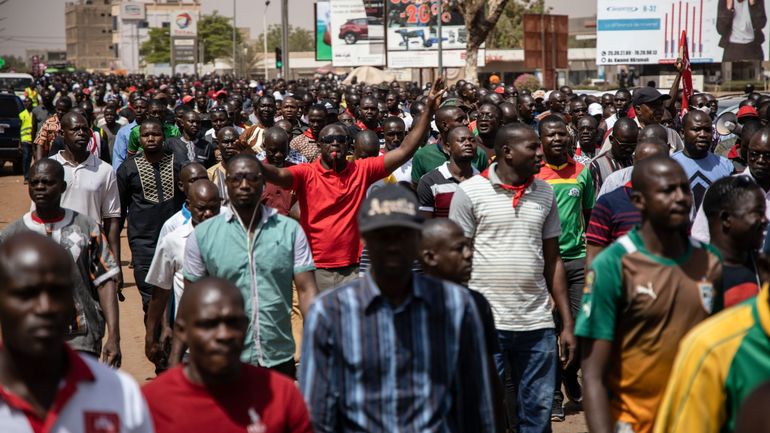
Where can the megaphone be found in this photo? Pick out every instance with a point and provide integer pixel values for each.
(728, 124)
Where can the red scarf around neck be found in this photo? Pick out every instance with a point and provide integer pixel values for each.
(518, 190)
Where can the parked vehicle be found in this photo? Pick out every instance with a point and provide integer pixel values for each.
(10, 130)
(369, 28)
(15, 83)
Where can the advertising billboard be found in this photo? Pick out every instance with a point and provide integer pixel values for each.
(411, 34)
(132, 11)
(184, 23)
(323, 34)
(357, 32)
(648, 31)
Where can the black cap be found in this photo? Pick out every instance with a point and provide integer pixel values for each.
(645, 95)
(389, 206)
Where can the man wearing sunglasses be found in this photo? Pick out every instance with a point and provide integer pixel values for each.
(623, 141)
(331, 189)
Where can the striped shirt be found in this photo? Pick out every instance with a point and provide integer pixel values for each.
(436, 189)
(604, 165)
(613, 216)
(508, 260)
(421, 366)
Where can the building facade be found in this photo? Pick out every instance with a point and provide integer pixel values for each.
(87, 26)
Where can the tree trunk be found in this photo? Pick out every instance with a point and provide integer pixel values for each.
(471, 73)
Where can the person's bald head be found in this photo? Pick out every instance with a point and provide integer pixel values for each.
(276, 146)
(190, 173)
(625, 135)
(508, 112)
(445, 252)
(661, 192)
(71, 117)
(655, 131)
(203, 201)
(36, 295)
(51, 167)
(448, 117)
(212, 322)
(648, 147)
(366, 145)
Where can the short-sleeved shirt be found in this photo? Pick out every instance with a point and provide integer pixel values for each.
(260, 401)
(720, 362)
(329, 203)
(94, 265)
(436, 189)
(604, 165)
(431, 156)
(279, 198)
(262, 271)
(508, 260)
(168, 262)
(702, 173)
(92, 398)
(613, 216)
(574, 191)
(92, 188)
(615, 181)
(645, 304)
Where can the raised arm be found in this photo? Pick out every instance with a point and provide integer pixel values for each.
(278, 176)
(398, 157)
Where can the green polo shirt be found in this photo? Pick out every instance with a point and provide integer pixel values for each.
(263, 271)
(431, 156)
(169, 131)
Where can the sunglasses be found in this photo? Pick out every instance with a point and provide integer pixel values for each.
(329, 139)
(237, 178)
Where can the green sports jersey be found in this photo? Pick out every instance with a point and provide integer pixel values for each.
(169, 131)
(645, 304)
(574, 191)
(720, 362)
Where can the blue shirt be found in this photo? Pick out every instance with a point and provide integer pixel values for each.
(369, 366)
(120, 149)
(702, 173)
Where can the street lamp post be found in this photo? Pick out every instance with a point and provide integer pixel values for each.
(264, 39)
(234, 37)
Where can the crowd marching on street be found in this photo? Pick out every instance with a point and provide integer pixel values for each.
(317, 256)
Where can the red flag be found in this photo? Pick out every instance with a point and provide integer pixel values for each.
(686, 74)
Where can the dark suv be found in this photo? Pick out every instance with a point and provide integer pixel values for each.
(10, 130)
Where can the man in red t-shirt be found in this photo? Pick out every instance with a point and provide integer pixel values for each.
(331, 189)
(215, 391)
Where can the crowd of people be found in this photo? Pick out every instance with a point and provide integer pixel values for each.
(319, 256)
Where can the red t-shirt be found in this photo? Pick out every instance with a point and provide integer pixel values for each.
(329, 203)
(261, 400)
(281, 199)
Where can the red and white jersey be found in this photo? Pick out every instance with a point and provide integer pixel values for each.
(92, 398)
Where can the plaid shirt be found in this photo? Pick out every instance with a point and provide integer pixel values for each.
(48, 133)
(306, 145)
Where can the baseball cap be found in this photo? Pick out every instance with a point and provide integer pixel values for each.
(645, 95)
(186, 99)
(746, 112)
(594, 109)
(389, 206)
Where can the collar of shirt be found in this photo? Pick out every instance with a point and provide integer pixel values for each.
(77, 372)
(444, 170)
(570, 161)
(323, 171)
(373, 297)
(90, 161)
(309, 134)
(186, 212)
(265, 213)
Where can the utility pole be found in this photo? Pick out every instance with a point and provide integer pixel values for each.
(264, 39)
(234, 30)
(285, 37)
(440, 40)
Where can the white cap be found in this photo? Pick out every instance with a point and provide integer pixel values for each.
(594, 109)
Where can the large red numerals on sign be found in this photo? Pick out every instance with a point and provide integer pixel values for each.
(421, 14)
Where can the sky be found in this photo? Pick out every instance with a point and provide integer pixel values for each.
(39, 24)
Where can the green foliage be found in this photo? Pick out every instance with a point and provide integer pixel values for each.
(509, 31)
(216, 33)
(299, 39)
(157, 49)
(14, 63)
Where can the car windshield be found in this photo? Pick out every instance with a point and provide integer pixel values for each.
(15, 83)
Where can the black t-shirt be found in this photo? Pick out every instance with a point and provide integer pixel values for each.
(739, 283)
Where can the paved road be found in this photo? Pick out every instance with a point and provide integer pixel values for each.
(14, 202)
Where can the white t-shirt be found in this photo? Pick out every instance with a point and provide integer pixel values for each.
(92, 188)
(742, 31)
(167, 264)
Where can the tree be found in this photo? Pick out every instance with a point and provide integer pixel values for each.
(509, 31)
(480, 17)
(248, 57)
(14, 64)
(216, 33)
(299, 39)
(157, 49)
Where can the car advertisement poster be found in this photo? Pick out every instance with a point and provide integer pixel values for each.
(411, 27)
(323, 32)
(648, 32)
(357, 32)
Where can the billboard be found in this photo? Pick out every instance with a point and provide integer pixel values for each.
(644, 32)
(132, 11)
(323, 34)
(411, 34)
(357, 32)
(184, 23)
